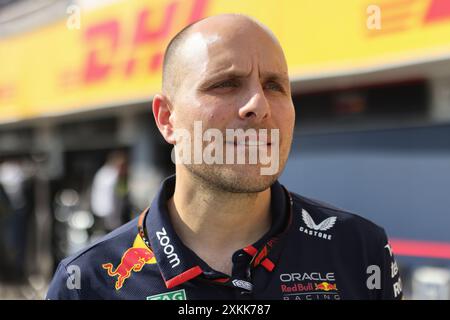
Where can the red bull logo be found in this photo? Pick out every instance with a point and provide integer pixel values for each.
(133, 259)
(325, 286)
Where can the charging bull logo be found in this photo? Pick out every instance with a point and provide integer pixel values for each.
(133, 259)
(325, 286)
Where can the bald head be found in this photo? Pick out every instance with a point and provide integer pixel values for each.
(191, 44)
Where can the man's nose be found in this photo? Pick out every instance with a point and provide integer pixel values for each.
(256, 108)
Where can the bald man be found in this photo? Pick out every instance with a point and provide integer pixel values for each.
(223, 227)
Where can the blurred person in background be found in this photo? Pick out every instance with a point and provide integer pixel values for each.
(6, 211)
(17, 197)
(109, 196)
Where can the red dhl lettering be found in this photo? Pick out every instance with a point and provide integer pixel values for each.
(438, 10)
(106, 40)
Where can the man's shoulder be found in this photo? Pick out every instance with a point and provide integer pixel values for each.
(87, 273)
(317, 215)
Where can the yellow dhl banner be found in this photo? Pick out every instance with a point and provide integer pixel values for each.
(115, 57)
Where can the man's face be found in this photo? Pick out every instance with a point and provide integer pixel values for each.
(235, 80)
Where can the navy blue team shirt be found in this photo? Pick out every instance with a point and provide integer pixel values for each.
(313, 251)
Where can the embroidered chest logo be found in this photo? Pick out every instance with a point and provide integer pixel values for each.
(316, 230)
(309, 286)
(133, 259)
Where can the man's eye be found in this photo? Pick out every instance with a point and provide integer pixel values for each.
(274, 86)
(227, 84)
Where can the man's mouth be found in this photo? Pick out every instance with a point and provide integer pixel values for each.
(249, 141)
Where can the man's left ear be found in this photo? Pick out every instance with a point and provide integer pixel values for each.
(162, 112)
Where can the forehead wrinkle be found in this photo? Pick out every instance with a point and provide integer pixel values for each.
(234, 72)
(267, 64)
(227, 69)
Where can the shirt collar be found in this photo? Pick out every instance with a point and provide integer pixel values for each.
(178, 263)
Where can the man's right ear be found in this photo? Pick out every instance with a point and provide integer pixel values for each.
(162, 112)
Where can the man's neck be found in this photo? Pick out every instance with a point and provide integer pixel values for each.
(215, 223)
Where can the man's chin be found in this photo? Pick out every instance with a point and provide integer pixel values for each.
(249, 171)
(236, 178)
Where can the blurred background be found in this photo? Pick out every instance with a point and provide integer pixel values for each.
(80, 153)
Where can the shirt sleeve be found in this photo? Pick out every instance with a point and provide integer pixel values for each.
(63, 286)
(391, 283)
